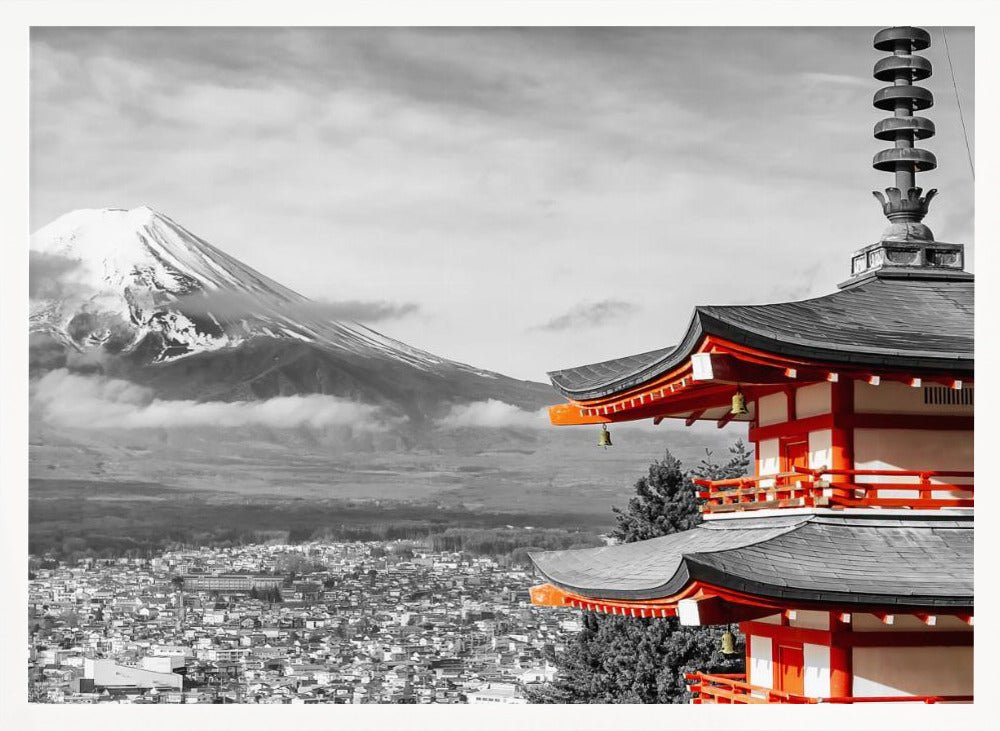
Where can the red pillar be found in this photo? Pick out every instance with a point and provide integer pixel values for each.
(842, 458)
(842, 407)
(841, 659)
(746, 650)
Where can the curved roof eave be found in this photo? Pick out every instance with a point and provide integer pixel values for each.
(672, 358)
(938, 574)
(929, 350)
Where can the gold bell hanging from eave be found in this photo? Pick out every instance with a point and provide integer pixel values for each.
(728, 643)
(739, 404)
(605, 438)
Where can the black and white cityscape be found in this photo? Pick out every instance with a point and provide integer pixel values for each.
(316, 622)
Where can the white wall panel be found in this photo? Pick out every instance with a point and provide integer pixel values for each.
(816, 670)
(900, 398)
(913, 449)
(812, 400)
(895, 671)
(770, 461)
(761, 668)
(808, 619)
(820, 448)
(772, 409)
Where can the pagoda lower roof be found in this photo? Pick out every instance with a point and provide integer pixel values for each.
(857, 559)
(881, 322)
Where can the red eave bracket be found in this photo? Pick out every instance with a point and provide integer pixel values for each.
(706, 379)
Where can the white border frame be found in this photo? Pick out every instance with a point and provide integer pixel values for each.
(16, 16)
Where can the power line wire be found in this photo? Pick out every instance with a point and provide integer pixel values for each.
(958, 101)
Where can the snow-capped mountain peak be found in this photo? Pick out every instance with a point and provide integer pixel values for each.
(119, 279)
(117, 248)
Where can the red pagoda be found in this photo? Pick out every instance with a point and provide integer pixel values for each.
(847, 558)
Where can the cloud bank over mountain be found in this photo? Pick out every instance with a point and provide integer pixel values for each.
(493, 414)
(66, 399)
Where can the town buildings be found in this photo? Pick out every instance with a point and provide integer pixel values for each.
(350, 623)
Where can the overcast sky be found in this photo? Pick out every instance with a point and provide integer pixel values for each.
(521, 200)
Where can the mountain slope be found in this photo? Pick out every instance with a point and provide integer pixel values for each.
(165, 308)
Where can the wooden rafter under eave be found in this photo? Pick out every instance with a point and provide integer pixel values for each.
(704, 604)
(707, 381)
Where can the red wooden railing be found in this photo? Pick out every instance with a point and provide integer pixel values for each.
(804, 487)
(733, 688)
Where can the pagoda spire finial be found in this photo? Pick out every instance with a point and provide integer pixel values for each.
(907, 248)
(904, 205)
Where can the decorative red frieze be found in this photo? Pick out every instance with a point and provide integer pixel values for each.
(845, 638)
(678, 392)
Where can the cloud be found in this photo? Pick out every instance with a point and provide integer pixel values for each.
(47, 275)
(819, 79)
(493, 414)
(364, 311)
(234, 305)
(803, 285)
(406, 164)
(586, 315)
(95, 402)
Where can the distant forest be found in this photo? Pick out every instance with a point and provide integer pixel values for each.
(134, 520)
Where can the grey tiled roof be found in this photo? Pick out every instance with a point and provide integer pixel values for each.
(855, 559)
(881, 322)
(597, 375)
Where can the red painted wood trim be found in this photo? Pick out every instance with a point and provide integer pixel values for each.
(764, 358)
(698, 396)
(913, 421)
(862, 421)
(783, 443)
(695, 415)
(888, 473)
(746, 648)
(727, 417)
(776, 641)
(841, 659)
(842, 436)
(792, 428)
(775, 666)
(549, 595)
(780, 605)
(734, 688)
(787, 634)
(627, 411)
(916, 638)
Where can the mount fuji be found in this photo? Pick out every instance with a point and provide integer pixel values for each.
(164, 369)
(151, 302)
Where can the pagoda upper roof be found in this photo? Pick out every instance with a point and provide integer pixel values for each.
(851, 559)
(888, 320)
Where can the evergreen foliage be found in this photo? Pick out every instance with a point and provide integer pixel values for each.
(617, 659)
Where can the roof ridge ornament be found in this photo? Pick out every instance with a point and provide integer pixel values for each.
(906, 214)
(903, 204)
(907, 248)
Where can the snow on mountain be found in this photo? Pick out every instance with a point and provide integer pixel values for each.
(120, 279)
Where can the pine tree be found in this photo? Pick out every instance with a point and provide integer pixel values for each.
(665, 502)
(618, 659)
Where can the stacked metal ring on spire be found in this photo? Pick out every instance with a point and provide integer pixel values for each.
(903, 68)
